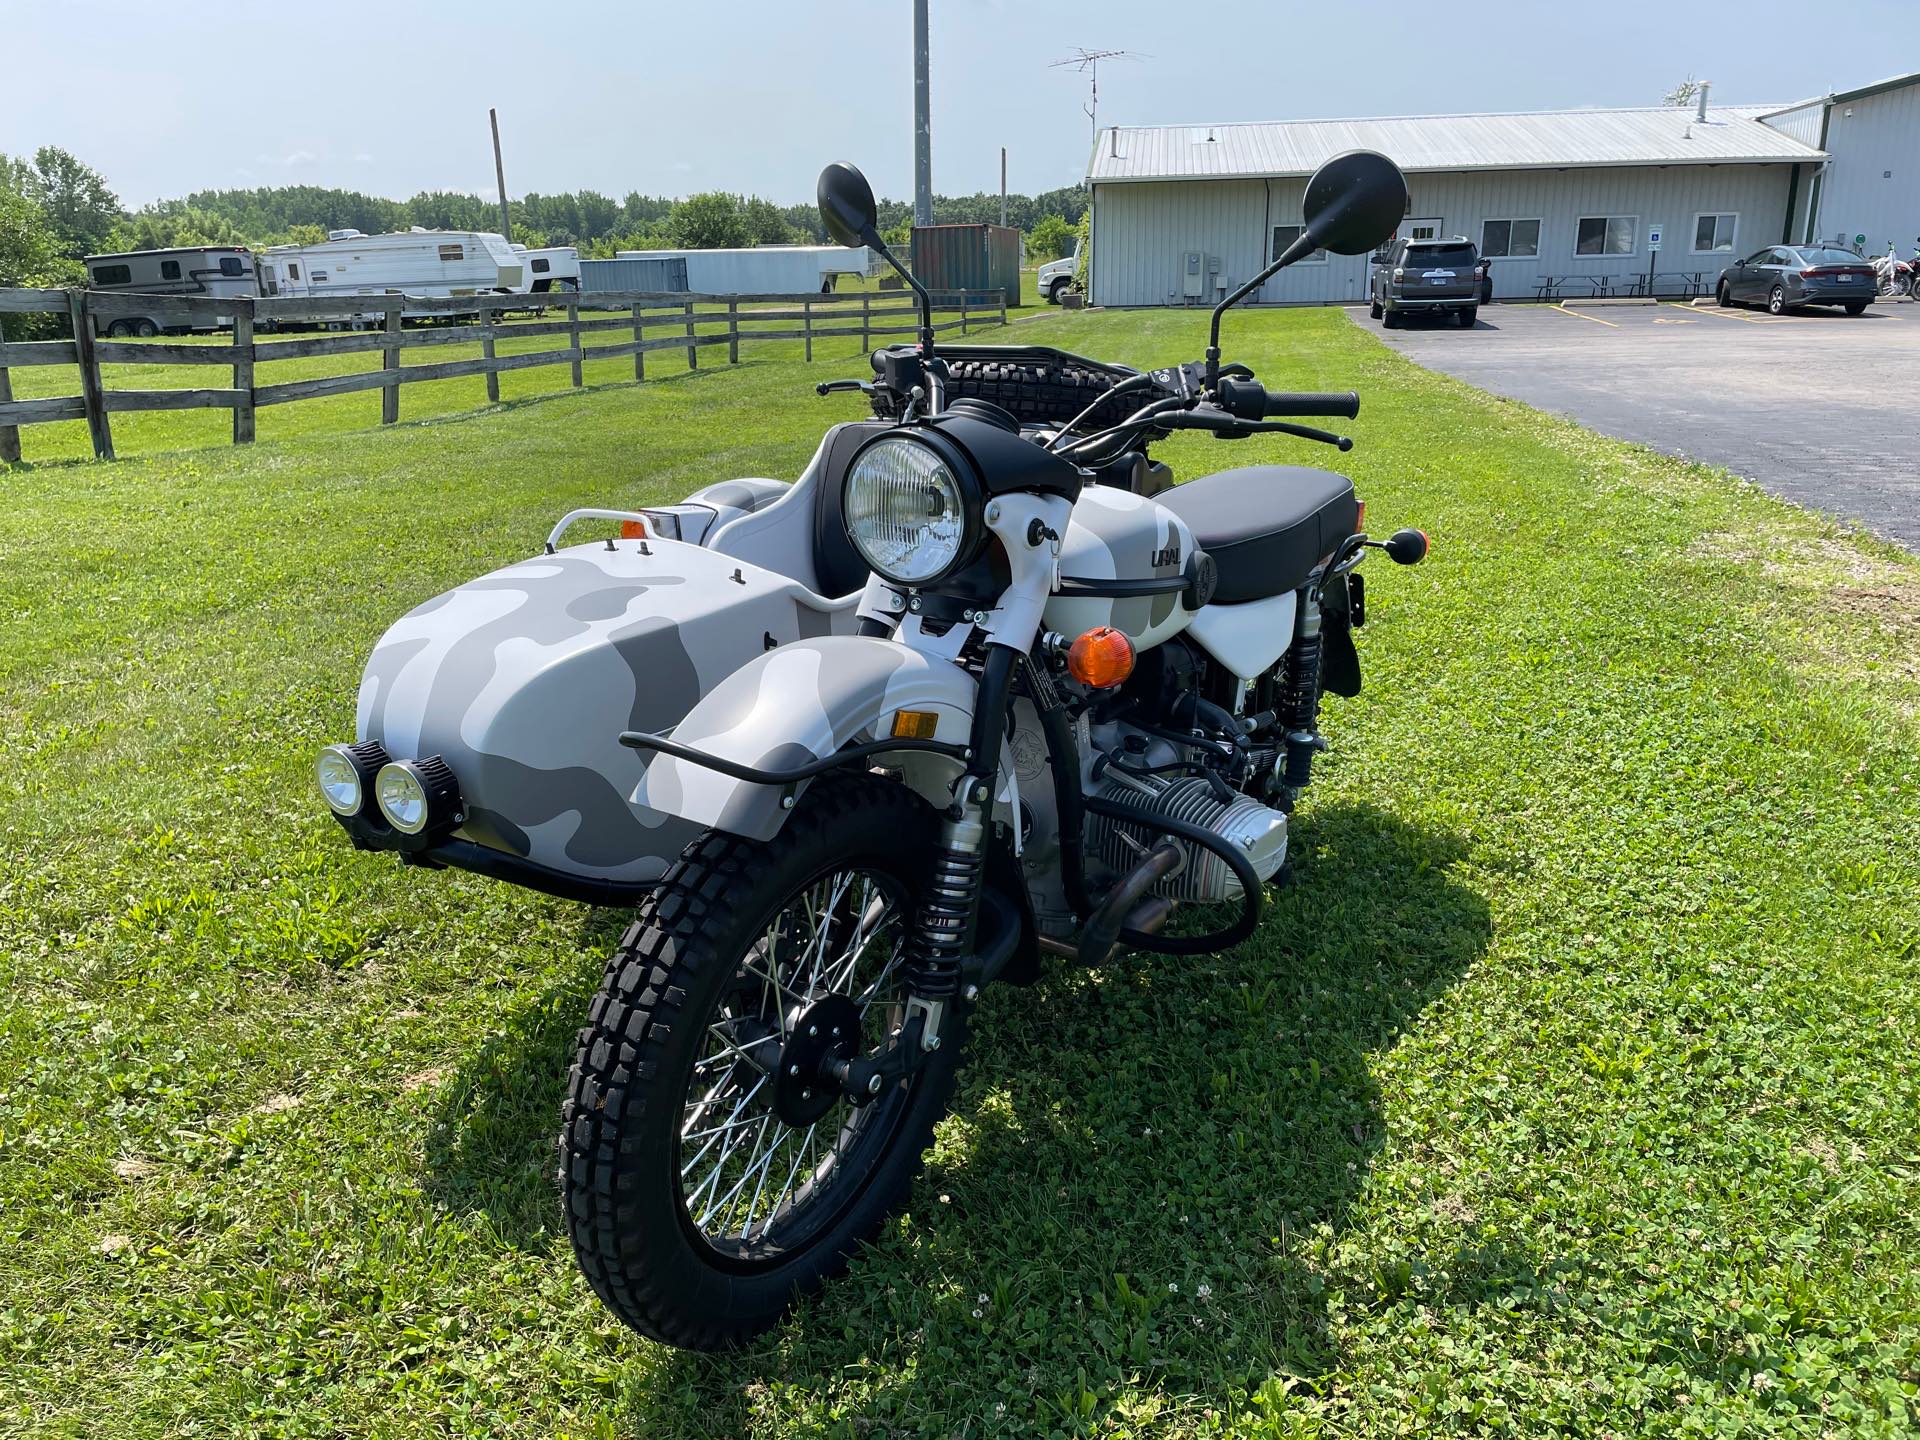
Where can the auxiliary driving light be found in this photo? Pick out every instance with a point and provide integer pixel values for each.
(417, 796)
(345, 774)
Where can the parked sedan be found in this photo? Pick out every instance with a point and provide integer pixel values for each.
(1784, 277)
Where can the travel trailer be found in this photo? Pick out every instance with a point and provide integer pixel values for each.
(556, 267)
(411, 262)
(217, 270)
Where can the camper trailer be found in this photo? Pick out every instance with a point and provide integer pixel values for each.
(762, 269)
(217, 270)
(410, 262)
(556, 267)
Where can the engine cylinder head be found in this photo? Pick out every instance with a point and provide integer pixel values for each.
(1256, 830)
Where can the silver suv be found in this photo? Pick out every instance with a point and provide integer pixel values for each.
(1439, 277)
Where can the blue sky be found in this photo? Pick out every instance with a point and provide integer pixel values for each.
(754, 95)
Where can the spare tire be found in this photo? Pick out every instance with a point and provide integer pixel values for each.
(1035, 392)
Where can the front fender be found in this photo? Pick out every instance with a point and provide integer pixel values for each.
(802, 702)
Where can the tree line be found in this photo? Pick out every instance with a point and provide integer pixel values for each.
(57, 209)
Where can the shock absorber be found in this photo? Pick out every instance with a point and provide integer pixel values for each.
(944, 924)
(1300, 707)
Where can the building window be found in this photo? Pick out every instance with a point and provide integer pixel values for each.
(112, 275)
(169, 269)
(1607, 235)
(1713, 233)
(541, 265)
(1285, 235)
(452, 252)
(1510, 239)
(230, 265)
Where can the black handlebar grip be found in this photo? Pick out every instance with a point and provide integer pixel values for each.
(1250, 400)
(1342, 403)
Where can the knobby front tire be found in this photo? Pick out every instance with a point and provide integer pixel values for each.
(697, 1214)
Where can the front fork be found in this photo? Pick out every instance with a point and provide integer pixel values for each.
(946, 925)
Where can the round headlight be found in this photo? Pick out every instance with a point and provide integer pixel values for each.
(402, 797)
(905, 511)
(339, 780)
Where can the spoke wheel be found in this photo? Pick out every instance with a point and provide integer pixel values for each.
(711, 1171)
(763, 1137)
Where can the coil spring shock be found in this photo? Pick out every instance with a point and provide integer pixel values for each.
(1303, 709)
(942, 929)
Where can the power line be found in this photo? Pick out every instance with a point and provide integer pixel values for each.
(1087, 62)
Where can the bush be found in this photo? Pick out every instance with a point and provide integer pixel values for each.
(1051, 238)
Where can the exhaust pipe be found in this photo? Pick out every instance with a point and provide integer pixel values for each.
(1117, 910)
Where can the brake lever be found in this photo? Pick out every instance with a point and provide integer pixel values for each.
(827, 387)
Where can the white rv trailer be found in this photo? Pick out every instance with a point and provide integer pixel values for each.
(555, 267)
(425, 263)
(762, 269)
(217, 270)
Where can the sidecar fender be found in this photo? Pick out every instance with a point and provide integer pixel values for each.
(802, 702)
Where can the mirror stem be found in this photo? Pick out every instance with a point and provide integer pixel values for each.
(1304, 244)
(871, 237)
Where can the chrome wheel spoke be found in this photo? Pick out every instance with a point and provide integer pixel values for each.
(743, 1168)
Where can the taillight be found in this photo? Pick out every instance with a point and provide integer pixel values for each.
(1809, 274)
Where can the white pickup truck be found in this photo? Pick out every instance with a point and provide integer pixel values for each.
(1056, 275)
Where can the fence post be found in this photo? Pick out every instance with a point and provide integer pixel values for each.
(243, 370)
(866, 322)
(487, 352)
(693, 361)
(573, 340)
(1003, 307)
(9, 434)
(90, 391)
(639, 338)
(390, 391)
(806, 320)
(965, 295)
(733, 332)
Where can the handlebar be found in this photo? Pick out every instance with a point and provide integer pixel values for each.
(1250, 400)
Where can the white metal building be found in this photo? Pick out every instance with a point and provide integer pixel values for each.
(1559, 200)
(1869, 186)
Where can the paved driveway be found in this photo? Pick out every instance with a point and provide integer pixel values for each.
(1823, 408)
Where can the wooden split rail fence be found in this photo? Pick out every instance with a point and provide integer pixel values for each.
(644, 318)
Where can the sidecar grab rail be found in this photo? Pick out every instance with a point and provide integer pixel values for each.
(553, 536)
(641, 740)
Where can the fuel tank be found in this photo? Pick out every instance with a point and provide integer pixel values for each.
(1118, 535)
(522, 681)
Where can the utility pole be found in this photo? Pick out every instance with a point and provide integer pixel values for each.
(922, 125)
(1003, 187)
(500, 178)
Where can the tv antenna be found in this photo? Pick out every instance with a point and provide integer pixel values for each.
(1087, 62)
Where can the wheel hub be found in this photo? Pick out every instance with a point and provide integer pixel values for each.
(828, 1030)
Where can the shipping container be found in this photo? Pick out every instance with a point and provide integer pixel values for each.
(974, 258)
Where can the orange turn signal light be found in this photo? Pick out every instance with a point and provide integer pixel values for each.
(633, 529)
(915, 724)
(1102, 658)
(1359, 516)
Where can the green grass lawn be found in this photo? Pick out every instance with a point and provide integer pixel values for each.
(1572, 1090)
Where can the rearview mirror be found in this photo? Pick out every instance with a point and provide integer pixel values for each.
(1353, 202)
(846, 204)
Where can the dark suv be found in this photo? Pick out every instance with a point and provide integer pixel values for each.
(1438, 277)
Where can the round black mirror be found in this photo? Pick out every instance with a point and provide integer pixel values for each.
(846, 204)
(1354, 202)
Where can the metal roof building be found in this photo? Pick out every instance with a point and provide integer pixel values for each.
(1562, 201)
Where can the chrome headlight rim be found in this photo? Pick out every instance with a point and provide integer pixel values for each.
(969, 505)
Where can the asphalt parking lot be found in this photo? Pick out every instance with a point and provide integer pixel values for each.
(1822, 407)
